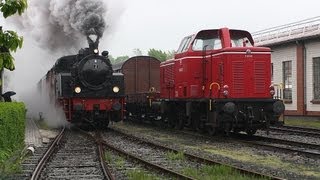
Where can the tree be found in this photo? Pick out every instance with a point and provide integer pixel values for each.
(111, 58)
(10, 7)
(9, 40)
(161, 55)
(137, 52)
(170, 54)
(120, 59)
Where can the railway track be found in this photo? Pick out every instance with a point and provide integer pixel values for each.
(306, 149)
(99, 139)
(70, 156)
(297, 130)
(192, 158)
(309, 150)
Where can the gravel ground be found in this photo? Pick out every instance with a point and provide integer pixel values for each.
(76, 159)
(286, 165)
(150, 153)
(291, 137)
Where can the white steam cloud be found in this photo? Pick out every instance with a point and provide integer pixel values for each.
(61, 24)
(51, 29)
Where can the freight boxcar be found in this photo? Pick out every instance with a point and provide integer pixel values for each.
(142, 85)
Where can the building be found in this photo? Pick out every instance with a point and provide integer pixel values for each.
(295, 64)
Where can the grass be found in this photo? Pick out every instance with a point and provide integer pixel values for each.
(135, 174)
(175, 156)
(119, 162)
(140, 175)
(215, 173)
(303, 123)
(12, 165)
(108, 156)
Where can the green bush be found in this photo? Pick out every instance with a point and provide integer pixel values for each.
(12, 128)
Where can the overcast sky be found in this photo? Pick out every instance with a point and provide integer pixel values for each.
(161, 24)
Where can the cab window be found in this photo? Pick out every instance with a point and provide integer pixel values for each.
(207, 40)
(184, 44)
(181, 45)
(206, 44)
(240, 39)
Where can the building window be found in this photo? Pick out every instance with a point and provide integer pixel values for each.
(287, 79)
(316, 78)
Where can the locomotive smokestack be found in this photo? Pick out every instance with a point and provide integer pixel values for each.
(93, 39)
(93, 44)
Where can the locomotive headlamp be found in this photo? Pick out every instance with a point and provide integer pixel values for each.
(116, 89)
(77, 90)
(225, 90)
(96, 51)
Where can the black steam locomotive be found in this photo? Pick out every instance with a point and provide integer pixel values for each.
(86, 87)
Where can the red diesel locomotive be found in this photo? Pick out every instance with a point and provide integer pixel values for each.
(217, 81)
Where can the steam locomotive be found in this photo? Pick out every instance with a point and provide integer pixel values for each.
(86, 88)
(216, 82)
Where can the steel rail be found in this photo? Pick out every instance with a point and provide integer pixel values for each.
(257, 143)
(201, 159)
(270, 146)
(297, 130)
(36, 173)
(282, 141)
(106, 171)
(301, 128)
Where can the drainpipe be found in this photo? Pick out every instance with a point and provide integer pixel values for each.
(304, 78)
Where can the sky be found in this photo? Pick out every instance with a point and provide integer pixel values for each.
(146, 24)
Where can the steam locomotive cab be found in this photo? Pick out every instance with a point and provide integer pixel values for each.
(218, 81)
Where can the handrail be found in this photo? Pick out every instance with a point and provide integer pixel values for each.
(299, 29)
(210, 88)
(279, 90)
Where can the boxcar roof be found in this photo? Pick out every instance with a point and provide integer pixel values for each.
(119, 66)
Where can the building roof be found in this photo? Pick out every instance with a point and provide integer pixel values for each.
(301, 30)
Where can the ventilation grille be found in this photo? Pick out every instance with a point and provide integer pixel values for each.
(238, 77)
(259, 77)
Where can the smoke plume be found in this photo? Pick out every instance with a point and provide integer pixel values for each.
(61, 24)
